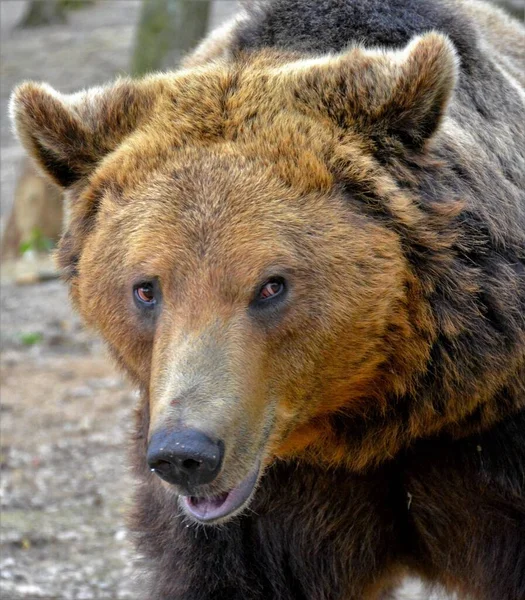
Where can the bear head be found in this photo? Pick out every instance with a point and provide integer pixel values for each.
(216, 238)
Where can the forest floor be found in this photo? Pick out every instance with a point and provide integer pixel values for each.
(64, 484)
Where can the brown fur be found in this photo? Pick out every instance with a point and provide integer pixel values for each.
(346, 175)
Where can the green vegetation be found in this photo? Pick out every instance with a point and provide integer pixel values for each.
(37, 242)
(30, 338)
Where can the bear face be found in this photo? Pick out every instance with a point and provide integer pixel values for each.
(210, 350)
(214, 242)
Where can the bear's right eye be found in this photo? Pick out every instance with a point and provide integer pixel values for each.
(145, 294)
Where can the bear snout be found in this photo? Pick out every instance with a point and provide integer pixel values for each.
(187, 458)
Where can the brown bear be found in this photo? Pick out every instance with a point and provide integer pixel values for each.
(307, 247)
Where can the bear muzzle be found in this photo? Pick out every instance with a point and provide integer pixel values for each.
(187, 458)
(190, 460)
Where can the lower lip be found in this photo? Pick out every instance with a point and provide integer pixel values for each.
(208, 510)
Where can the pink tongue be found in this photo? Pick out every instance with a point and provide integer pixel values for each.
(222, 505)
(206, 505)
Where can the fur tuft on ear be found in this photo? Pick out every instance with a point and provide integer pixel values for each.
(68, 135)
(384, 94)
(423, 85)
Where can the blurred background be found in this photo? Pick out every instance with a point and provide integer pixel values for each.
(65, 412)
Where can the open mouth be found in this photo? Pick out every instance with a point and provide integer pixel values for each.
(213, 508)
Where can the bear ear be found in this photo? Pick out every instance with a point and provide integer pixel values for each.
(68, 135)
(423, 80)
(385, 94)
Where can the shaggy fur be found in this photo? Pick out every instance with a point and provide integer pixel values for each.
(373, 154)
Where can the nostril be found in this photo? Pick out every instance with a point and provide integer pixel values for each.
(162, 467)
(190, 464)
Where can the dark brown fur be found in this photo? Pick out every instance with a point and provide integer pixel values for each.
(450, 511)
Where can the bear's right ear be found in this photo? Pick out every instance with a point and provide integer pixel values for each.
(68, 135)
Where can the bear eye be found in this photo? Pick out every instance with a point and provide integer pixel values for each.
(271, 289)
(145, 294)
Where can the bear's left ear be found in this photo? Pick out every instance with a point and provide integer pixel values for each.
(385, 94)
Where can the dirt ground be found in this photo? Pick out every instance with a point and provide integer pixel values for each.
(65, 411)
(64, 483)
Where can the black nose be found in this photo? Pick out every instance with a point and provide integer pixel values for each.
(186, 457)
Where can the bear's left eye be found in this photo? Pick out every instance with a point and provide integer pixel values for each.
(271, 289)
